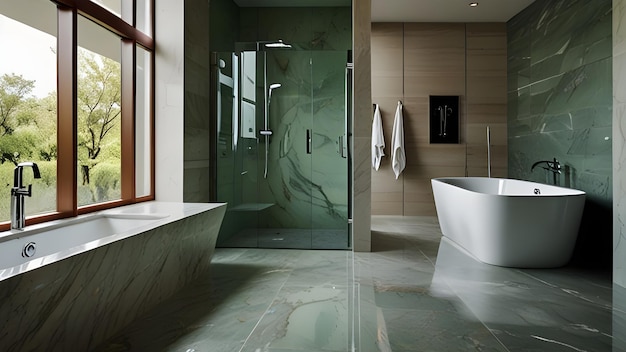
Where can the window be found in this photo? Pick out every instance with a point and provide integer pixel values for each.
(113, 6)
(28, 99)
(98, 103)
(143, 125)
(93, 137)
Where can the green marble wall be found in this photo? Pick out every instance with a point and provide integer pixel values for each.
(619, 174)
(309, 189)
(196, 70)
(77, 303)
(302, 190)
(315, 28)
(560, 106)
(223, 25)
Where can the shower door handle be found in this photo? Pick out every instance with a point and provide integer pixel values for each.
(308, 141)
(342, 147)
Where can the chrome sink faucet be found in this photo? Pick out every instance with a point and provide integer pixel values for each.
(18, 217)
(550, 165)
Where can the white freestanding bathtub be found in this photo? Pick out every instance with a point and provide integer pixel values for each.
(509, 222)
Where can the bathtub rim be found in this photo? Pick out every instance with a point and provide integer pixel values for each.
(177, 211)
(56, 224)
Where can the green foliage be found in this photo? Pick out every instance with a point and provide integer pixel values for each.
(6, 175)
(19, 145)
(48, 171)
(106, 180)
(27, 124)
(99, 111)
(13, 89)
(44, 189)
(99, 101)
(6, 182)
(28, 131)
(106, 175)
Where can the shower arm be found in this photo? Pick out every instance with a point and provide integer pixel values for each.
(266, 130)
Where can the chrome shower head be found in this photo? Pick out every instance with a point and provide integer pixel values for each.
(272, 87)
(278, 44)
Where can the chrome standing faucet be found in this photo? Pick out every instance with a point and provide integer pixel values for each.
(18, 217)
(550, 165)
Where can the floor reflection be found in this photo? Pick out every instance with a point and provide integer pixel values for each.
(414, 292)
(435, 297)
(253, 300)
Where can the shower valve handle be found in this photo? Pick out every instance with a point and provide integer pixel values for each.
(308, 141)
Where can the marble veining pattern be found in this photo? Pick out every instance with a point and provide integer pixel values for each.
(414, 292)
(559, 105)
(559, 72)
(306, 188)
(288, 238)
(307, 185)
(619, 175)
(76, 303)
(252, 300)
(437, 298)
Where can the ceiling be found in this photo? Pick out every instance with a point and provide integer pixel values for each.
(416, 10)
(446, 10)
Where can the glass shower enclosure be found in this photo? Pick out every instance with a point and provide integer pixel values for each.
(282, 154)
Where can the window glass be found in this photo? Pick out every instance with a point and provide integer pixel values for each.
(143, 123)
(114, 6)
(144, 19)
(28, 114)
(38, 56)
(98, 100)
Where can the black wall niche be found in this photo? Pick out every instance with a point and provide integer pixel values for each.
(444, 119)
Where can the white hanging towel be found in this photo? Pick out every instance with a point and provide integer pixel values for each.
(398, 158)
(378, 139)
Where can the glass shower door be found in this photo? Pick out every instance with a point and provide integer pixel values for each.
(288, 223)
(236, 167)
(282, 149)
(329, 169)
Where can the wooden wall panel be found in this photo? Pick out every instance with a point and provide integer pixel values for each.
(387, 62)
(434, 59)
(410, 62)
(434, 64)
(486, 97)
(387, 87)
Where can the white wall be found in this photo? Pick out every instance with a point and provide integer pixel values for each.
(169, 102)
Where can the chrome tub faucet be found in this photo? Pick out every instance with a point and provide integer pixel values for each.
(550, 165)
(18, 217)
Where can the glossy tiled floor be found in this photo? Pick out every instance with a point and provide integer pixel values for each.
(253, 300)
(431, 296)
(414, 292)
(289, 239)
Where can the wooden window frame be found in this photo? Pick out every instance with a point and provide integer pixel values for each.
(67, 112)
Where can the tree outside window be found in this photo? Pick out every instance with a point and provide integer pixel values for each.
(87, 132)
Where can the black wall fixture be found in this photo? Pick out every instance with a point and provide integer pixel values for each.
(444, 119)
